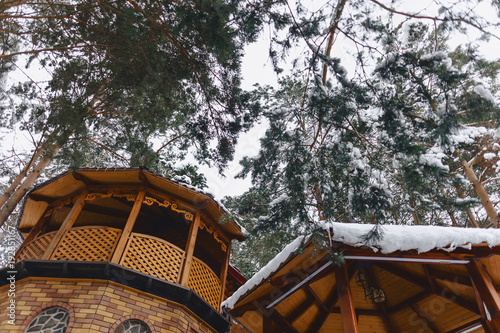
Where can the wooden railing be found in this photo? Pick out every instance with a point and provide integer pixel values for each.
(153, 256)
(143, 253)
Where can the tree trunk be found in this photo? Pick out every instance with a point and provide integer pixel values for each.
(472, 219)
(15, 183)
(31, 178)
(481, 193)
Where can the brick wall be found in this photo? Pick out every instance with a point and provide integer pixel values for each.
(95, 306)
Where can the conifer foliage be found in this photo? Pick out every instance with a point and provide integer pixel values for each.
(392, 135)
(105, 81)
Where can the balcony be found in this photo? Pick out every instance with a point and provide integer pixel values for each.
(143, 253)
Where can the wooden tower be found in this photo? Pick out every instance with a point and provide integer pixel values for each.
(121, 250)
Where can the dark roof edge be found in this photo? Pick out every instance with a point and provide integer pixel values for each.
(122, 275)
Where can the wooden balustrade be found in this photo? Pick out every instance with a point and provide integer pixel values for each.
(153, 256)
(143, 253)
(36, 248)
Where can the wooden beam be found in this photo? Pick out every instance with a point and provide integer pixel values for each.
(65, 226)
(191, 242)
(425, 317)
(316, 298)
(467, 326)
(361, 312)
(282, 323)
(330, 302)
(430, 278)
(411, 300)
(486, 292)
(300, 310)
(487, 325)
(450, 277)
(78, 176)
(442, 292)
(127, 229)
(345, 297)
(267, 324)
(223, 274)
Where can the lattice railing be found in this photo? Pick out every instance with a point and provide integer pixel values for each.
(143, 253)
(35, 248)
(88, 243)
(153, 256)
(204, 282)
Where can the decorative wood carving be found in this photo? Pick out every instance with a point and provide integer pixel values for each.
(150, 201)
(215, 234)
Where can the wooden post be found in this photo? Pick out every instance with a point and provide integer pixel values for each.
(487, 325)
(345, 297)
(488, 300)
(66, 225)
(127, 230)
(223, 273)
(193, 233)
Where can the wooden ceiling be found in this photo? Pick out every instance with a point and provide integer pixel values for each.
(435, 295)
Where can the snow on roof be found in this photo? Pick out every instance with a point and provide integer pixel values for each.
(394, 238)
(421, 238)
(264, 272)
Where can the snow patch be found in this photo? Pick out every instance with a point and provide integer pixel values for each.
(489, 156)
(420, 238)
(484, 93)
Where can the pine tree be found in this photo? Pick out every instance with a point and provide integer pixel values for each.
(122, 76)
(384, 141)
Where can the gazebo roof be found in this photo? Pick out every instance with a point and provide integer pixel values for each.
(424, 271)
(73, 181)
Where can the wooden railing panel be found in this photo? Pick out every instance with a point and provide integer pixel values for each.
(153, 256)
(143, 253)
(36, 248)
(205, 283)
(88, 243)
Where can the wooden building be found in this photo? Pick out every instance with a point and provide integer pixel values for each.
(414, 279)
(121, 250)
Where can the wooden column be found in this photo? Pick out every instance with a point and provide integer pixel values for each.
(66, 225)
(127, 230)
(223, 273)
(191, 242)
(345, 297)
(486, 294)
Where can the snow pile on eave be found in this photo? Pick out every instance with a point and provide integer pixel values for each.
(265, 271)
(406, 238)
(394, 238)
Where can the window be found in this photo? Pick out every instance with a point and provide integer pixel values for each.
(53, 320)
(132, 326)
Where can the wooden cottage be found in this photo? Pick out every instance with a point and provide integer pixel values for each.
(414, 279)
(121, 250)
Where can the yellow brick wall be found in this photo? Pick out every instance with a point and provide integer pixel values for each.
(95, 306)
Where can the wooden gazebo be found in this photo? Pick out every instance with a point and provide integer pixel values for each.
(133, 229)
(415, 279)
